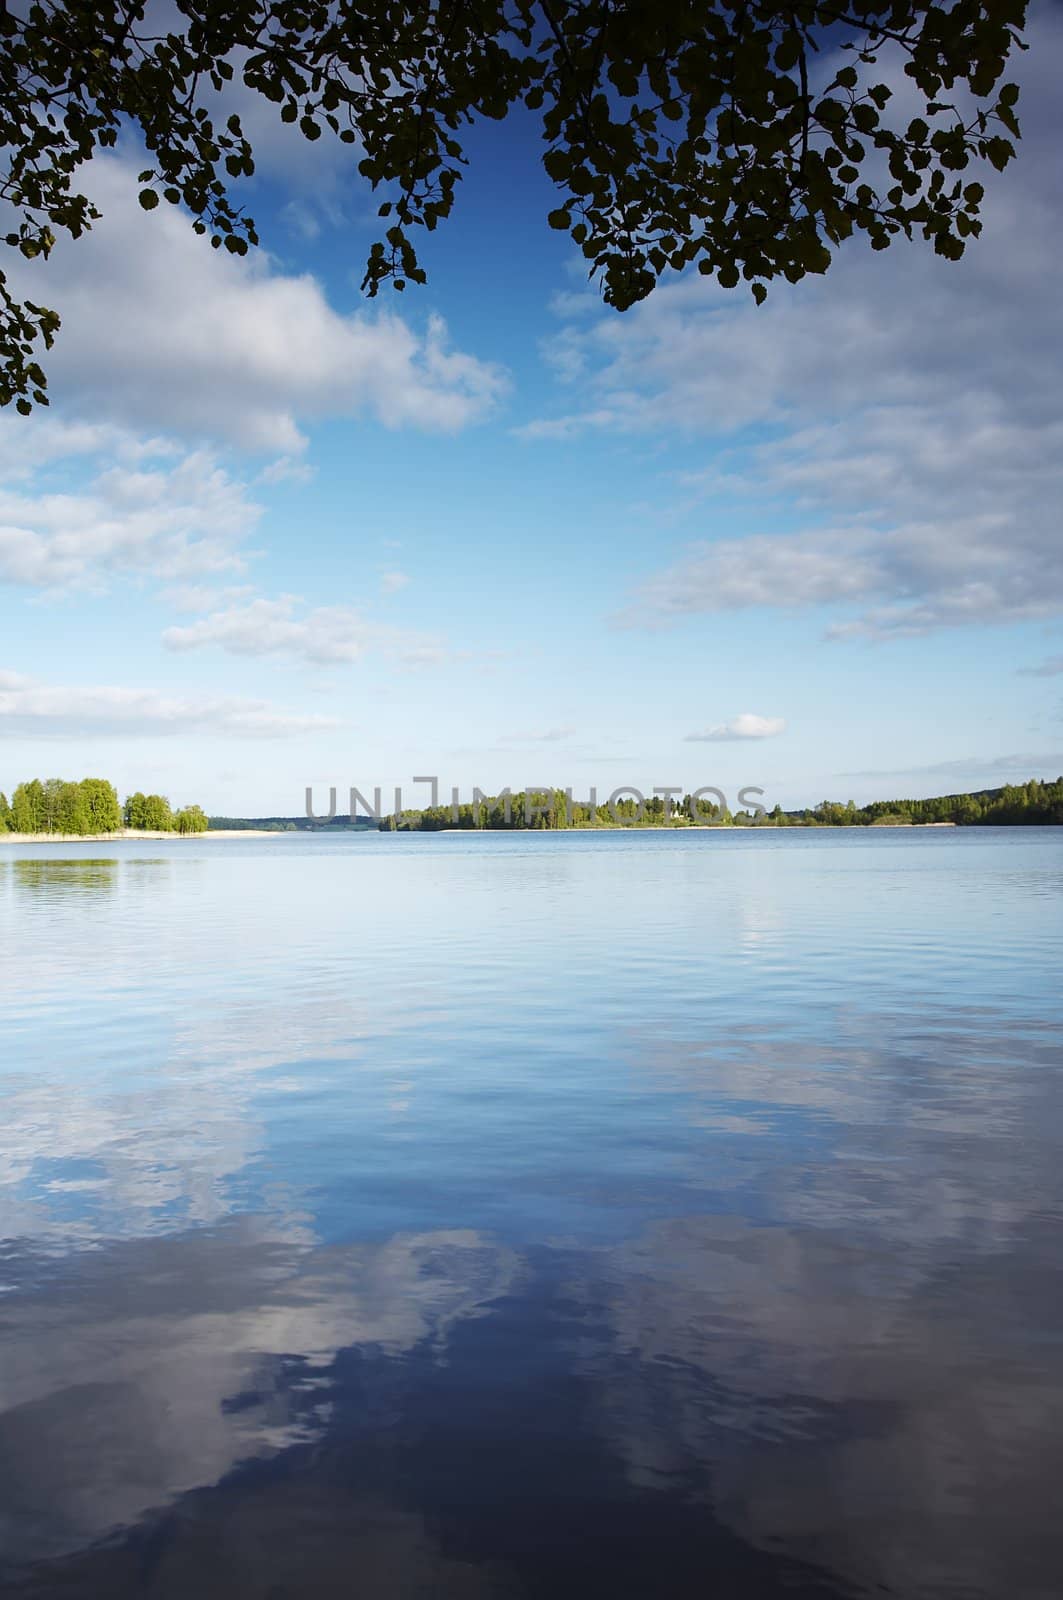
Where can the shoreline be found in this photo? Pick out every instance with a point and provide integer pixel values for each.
(691, 827)
(152, 835)
(135, 834)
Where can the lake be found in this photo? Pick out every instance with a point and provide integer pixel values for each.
(620, 1214)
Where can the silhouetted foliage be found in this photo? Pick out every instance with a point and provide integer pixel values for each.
(747, 136)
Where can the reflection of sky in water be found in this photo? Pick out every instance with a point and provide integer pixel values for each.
(412, 1205)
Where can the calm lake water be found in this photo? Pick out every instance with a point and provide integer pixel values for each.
(653, 1215)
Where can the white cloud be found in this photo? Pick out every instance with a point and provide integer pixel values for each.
(539, 736)
(571, 426)
(747, 725)
(27, 444)
(160, 330)
(392, 582)
(1052, 668)
(153, 510)
(324, 634)
(906, 409)
(195, 598)
(998, 769)
(286, 469)
(408, 653)
(37, 710)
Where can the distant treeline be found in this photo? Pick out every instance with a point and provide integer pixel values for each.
(1033, 802)
(338, 824)
(53, 805)
(1016, 803)
(550, 808)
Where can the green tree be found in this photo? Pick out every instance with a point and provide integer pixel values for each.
(832, 814)
(74, 815)
(966, 809)
(749, 138)
(52, 804)
(27, 807)
(707, 811)
(5, 813)
(149, 812)
(191, 819)
(100, 800)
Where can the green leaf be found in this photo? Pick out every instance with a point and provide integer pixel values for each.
(560, 219)
(148, 199)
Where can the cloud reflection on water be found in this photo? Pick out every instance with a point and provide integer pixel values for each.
(543, 1261)
(161, 1365)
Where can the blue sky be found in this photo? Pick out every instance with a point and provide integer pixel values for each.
(271, 535)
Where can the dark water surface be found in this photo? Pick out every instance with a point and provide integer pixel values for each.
(533, 1215)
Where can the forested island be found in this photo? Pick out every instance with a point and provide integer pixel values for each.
(91, 806)
(1028, 803)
